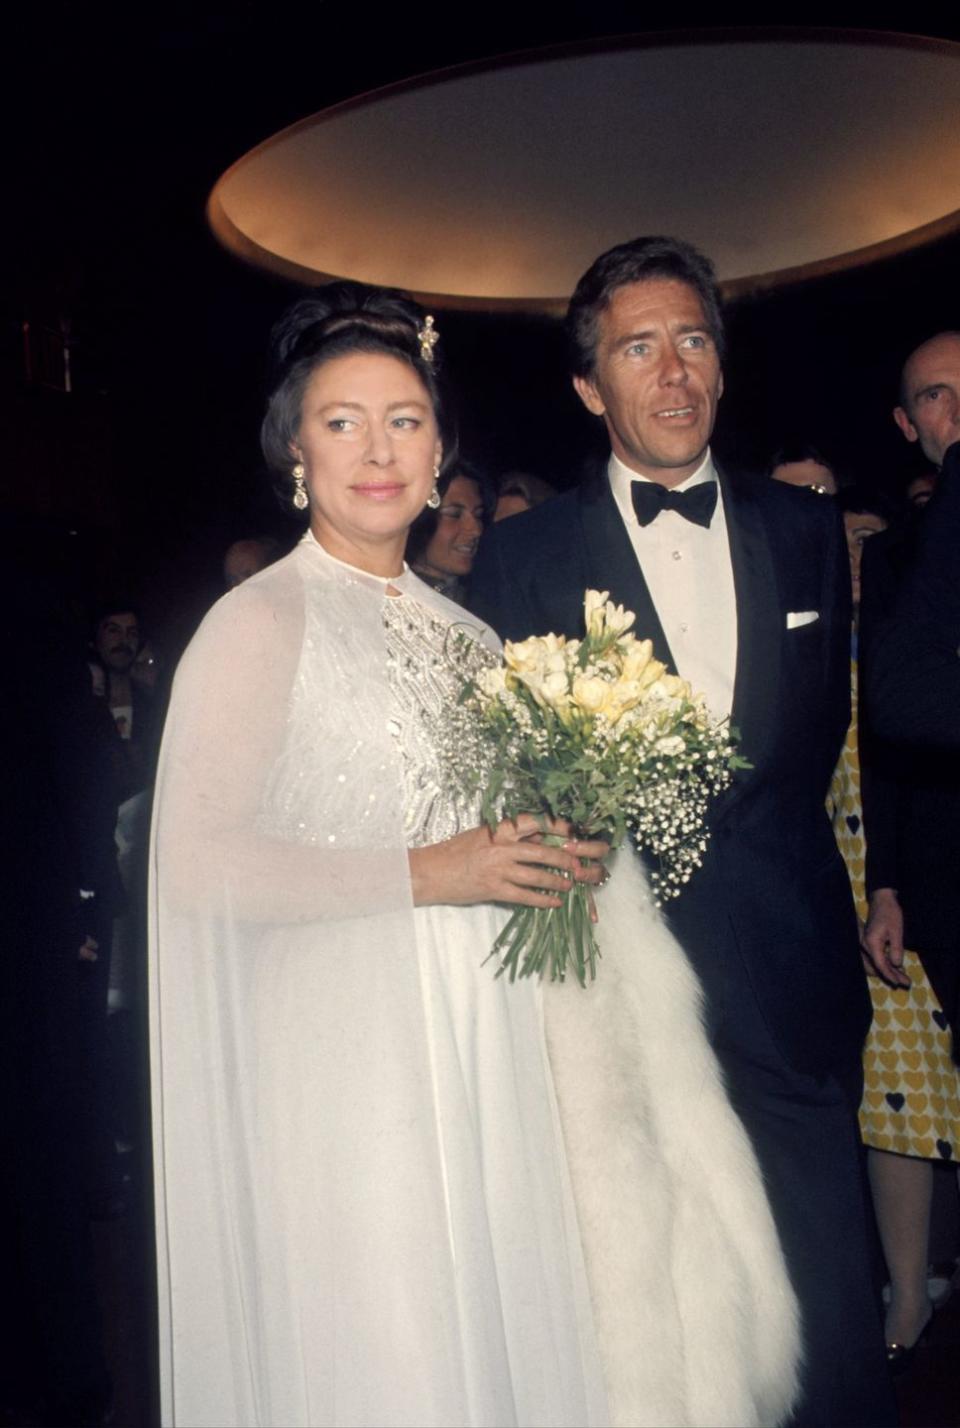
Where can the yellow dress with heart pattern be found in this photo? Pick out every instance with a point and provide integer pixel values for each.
(911, 1098)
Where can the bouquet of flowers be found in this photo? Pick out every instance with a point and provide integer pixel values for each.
(597, 732)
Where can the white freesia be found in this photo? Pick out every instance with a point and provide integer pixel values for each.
(594, 606)
(598, 732)
(590, 693)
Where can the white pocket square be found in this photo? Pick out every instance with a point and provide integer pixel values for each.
(796, 618)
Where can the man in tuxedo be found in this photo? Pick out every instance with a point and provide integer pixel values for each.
(744, 589)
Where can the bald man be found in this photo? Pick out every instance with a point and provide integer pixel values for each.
(914, 665)
(910, 703)
(929, 409)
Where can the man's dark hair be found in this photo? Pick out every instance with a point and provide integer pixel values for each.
(863, 501)
(639, 261)
(113, 602)
(797, 450)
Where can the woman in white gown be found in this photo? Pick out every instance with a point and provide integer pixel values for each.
(372, 1206)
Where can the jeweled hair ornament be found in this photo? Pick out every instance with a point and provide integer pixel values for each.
(428, 337)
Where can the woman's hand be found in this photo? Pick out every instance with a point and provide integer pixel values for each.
(882, 939)
(513, 864)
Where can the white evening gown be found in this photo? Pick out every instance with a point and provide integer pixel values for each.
(365, 1212)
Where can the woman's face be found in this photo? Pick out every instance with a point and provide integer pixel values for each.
(369, 443)
(453, 545)
(859, 527)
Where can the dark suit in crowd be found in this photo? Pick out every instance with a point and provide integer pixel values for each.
(909, 638)
(60, 886)
(768, 920)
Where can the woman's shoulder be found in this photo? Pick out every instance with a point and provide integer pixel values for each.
(259, 611)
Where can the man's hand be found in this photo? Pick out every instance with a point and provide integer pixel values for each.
(882, 939)
(90, 951)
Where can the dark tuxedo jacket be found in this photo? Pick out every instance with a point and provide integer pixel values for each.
(769, 915)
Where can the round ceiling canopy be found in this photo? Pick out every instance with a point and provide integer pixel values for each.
(781, 155)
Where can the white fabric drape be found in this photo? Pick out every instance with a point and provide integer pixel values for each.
(364, 1200)
(364, 1209)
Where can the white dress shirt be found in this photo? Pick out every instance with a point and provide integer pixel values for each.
(690, 578)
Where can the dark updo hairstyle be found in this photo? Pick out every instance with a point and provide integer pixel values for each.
(640, 260)
(337, 320)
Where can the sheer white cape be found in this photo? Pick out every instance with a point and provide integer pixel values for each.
(363, 1195)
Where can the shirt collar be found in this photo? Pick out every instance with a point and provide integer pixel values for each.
(621, 476)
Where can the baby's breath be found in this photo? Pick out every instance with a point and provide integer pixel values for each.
(597, 732)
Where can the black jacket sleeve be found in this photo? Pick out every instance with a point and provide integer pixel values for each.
(914, 671)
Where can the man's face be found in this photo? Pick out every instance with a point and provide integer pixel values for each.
(117, 641)
(931, 385)
(656, 380)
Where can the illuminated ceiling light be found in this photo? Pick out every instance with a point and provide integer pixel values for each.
(782, 154)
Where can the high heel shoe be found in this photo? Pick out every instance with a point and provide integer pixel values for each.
(901, 1356)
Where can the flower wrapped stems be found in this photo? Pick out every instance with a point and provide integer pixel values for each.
(537, 940)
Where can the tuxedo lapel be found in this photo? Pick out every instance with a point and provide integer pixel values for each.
(612, 564)
(759, 635)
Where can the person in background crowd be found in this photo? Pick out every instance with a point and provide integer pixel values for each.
(115, 647)
(116, 983)
(802, 465)
(863, 804)
(743, 588)
(248, 556)
(520, 491)
(58, 806)
(443, 541)
(921, 643)
(920, 488)
(865, 514)
(910, 629)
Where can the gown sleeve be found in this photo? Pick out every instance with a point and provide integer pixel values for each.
(228, 733)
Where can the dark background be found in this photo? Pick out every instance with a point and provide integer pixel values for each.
(118, 122)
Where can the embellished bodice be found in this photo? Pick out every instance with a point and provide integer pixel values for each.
(425, 681)
(370, 751)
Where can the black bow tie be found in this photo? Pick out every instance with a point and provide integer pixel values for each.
(697, 505)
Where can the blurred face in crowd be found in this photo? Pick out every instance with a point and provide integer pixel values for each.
(811, 474)
(930, 395)
(656, 380)
(117, 641)
(368, 441)
(511, 503)
(859, 527)
(453, 545)
(243, 559)
(921, 488)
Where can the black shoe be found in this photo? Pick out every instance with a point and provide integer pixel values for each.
(900, 1357)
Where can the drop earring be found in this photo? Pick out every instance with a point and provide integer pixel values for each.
(434, 498)
(300, 498)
